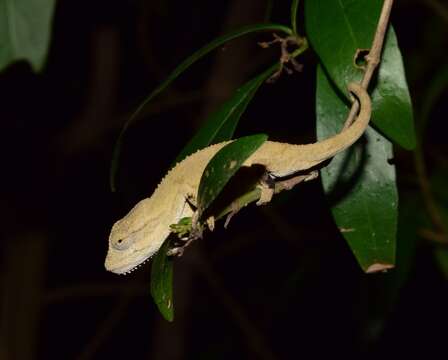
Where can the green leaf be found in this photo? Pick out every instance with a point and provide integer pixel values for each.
(178, 71)
(162, 282)
(337, 30)
(221, 125)
(25, 29)
(223, 166)
(360, 184)
(294, 7)
(392, 110)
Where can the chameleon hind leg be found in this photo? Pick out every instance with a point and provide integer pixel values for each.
(270, 185)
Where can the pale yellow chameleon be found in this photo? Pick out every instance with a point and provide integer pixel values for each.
(139, 235)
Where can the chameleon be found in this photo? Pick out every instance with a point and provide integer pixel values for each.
(140, 234)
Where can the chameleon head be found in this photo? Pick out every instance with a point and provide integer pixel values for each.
(134, 239)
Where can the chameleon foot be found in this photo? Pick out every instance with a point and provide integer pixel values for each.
(235, 207)
(267, 187)
(290, 183)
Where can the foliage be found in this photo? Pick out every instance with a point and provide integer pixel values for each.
(360, 183)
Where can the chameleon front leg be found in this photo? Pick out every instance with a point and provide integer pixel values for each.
(267, 187)
(189, 225)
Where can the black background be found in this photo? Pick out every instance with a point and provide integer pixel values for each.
(279, 283)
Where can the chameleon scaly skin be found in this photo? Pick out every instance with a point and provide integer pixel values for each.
(139, 235)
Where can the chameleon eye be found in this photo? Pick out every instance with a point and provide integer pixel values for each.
(122, 244)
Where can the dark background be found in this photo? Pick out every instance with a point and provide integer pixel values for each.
(279, 283)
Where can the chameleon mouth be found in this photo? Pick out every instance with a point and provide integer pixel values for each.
(126, 272)
(125, 268)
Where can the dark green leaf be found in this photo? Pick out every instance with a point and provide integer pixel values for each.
(337, 30)
(162, 282)
(223, 166)
(360, 184)
(178, 71)
(25, 29)
(294, 8)
(392, 108)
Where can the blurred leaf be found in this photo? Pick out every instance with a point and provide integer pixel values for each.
(438, 185)
(25, 31)
(223, 166)
(178, 71)
(294, 7)
(337, 30)
(268, 11)
(221, 125)
(441, 256)
(439, 189)
(162, 282)
(409, 220)
(360, 184)
(436, 87)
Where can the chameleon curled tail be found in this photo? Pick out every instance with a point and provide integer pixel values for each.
(136, 237)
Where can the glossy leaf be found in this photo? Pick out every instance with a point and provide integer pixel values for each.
(178, 71)
(392, 110)
(337, 30)
(360, 184)
(162, 282)
(223, 166)
(25, 31)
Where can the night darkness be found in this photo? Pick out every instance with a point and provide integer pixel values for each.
(279, 283)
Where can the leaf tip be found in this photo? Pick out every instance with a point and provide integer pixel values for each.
(379, 267)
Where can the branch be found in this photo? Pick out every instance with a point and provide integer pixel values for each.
(374, 56)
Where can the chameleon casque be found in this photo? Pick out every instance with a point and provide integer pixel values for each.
(139, 235)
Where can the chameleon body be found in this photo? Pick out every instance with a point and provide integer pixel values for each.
(139, 235)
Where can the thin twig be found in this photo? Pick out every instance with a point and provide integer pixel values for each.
(433, 236)
(374, 56)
